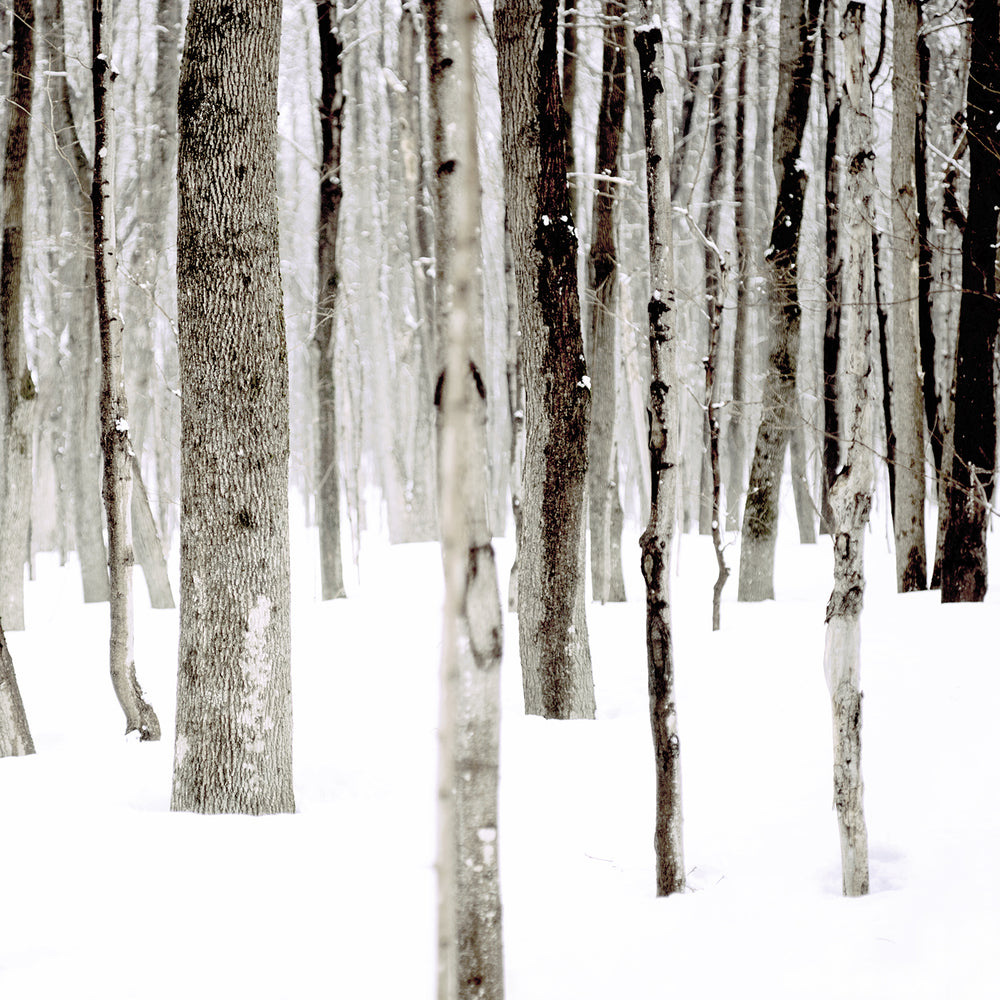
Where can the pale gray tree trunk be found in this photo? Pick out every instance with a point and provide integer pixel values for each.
(146, 542)
(515, 402)
(606, 579)
(850, 493)
(15, 737)
(907, 391)
(799, 21)
(331, 110)
(233, 750)
(19, 387)
(115, 442)
(470, 939)
(555, 650)
(663, 454)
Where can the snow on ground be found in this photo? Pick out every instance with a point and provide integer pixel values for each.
(106, 894)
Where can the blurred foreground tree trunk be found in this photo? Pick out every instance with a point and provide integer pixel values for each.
(331, 109)
(15, 737)
(970, 492)
(233, 750)
(851, 492)
(19, 387)
(470, 939)
(799, 20)
(115, 442)
(657, 539)
(555, 650)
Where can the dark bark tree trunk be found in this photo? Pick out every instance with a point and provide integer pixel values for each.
(831, 328)
(555, 651)
(115, 442)
(964, 571)
(15, 736)
(19, 387)
(603, 273)
(799, 20)
(907, 391)
(850, 493)
(663, 455)
(233, 750)
(470, 940)
(331, 108)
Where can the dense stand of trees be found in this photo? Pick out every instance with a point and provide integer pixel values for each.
(384, 246)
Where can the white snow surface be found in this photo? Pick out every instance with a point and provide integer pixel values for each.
(108, 895)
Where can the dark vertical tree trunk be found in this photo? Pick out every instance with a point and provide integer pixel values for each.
(831, 328)
(555, 650)
(602, 352)
(331, 109)
(19, 387)
(233, 749)
(115, 441)
(657, 539)
(799, 21)
(964, 572)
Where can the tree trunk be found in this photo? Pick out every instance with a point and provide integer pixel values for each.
(19, 387)
(515, 402)
(115, 443)
(148, 546)
(15, 737)
(470, 940)
(850, 494)
(804, 507)
(555, 651)
(907, 394)
(603, 274)
(760, 520)
(233, 750)
(331, 109)
(831, 328)
(964, 573)
(663, 455)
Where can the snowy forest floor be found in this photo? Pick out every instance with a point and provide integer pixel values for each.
(106, 894)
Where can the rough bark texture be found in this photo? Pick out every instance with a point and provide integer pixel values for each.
(19, 387)
(907, 391)
(515, 403)
(850, 494)
(555, 651)
(115, 442)
(470, 940)
(233, 750)
(15, 737)
(964, 571)
(602, 347)
(760, 518)
(663, 456)
(331, 109)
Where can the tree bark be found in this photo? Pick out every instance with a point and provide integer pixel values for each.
(115, 442)
(331, 109)
(555, 651)
(964, 570)
(603, 274)
(19, 387)
(850, 494)
(470, 939)
(233, 749)
(907, 392)
(799, 19)
(15, 736)
(657, 539)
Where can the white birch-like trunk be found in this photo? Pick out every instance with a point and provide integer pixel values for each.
(469, 926)
(850, 494)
